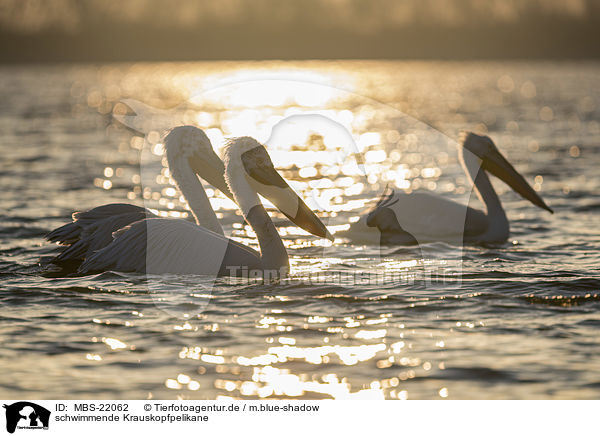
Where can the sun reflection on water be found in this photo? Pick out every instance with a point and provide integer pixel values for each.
(285, 368)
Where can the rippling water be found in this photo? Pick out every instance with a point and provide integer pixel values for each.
(520, 320)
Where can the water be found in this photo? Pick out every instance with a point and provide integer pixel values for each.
(520, 321)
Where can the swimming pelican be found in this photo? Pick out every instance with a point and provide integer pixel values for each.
(408, 219)
(189, 153)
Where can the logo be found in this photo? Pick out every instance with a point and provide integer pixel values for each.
(26, 415)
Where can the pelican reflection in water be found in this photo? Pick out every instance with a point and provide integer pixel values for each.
(129, 238)
(404, 219)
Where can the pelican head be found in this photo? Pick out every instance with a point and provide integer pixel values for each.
(189, 145)
(247, 156)
(493, 161)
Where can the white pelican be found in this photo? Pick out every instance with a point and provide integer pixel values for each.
(408, 219)
(189, 153)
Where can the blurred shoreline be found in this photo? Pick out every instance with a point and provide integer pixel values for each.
(549, 38)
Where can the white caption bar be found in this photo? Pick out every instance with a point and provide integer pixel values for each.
(33, 417)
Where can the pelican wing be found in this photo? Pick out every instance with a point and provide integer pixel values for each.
(71, 232)
(428, 217)
(159, 246)
(97, 235)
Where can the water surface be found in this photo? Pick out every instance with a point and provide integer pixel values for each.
(519, 321)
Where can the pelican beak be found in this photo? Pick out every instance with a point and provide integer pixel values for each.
(211, 169)
(268, 183)
(501, 168)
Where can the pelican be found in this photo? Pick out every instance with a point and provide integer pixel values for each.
(409, 219)
(114, 236)
(189, 153)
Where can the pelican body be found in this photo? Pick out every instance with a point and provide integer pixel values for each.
(409, 219)
(129, 238)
